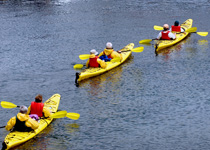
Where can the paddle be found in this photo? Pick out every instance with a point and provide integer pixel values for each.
(84, 56)
(190, 30)
(146, 41)
(79, 66)
(73, 116)
(158, 27)
(8, 105)
(136, 50)
(193, 29)
(59, 114)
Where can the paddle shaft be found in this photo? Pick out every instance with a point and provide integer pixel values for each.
(2, 126)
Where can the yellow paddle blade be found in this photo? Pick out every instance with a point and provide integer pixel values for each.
(78, 66)
(59, 114)
(145, 41)
(117, 59)
(84, 56)
(138, 49)
(193, 29)
(9, 105)
(73, 116)
(202, 33)
(158, 27)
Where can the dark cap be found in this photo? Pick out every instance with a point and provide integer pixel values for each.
(176, 23)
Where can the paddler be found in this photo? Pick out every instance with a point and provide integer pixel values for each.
(166, 34)
(37, 107)
(109, 51)
(22, 122)
(176, 27)
(94, 60)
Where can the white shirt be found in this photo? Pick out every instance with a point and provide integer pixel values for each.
(170, 34)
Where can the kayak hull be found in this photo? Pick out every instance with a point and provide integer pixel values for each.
(16, 138)
(179, 37)
(91, 72)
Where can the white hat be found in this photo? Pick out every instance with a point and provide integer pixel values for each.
(108, 45)
(166, 26)
(93, 51)
(23, 109)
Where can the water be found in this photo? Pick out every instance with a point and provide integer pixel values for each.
(148, 103)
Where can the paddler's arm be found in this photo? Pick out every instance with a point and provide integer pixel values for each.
(102, 53)
(46, 112)
(116, 55)
(31, 123)
(159, 36)
(87, 63)
(102, 63)
(10, 123)
(182, 29)
(172, 36)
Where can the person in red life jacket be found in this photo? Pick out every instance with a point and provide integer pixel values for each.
(176, 27)
(37, 107)
(109, 51)
(94, 60)
(166, 34)
(22, 122)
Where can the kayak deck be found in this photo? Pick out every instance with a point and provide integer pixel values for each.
(91, 72)
(179, 37)
(15, 138)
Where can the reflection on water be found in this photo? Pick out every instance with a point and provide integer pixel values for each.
(100, 86)
(177, 47)
(165, 52)
(71, 128)
(203, 44)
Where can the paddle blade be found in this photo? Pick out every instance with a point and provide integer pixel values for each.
(158, 27)
(117, 59)
(78, 66)
(145, 41)
(202, 33)
(138, 49)
(193, 29)
(73, 116)
(84, 56)
(59, 114)
(9, 105)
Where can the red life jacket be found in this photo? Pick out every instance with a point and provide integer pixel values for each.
(93, 62)
(37, 108)
(165, 36)
(109, 56)
(176, 28)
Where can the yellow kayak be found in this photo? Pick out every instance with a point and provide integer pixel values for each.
(16, 138)
(161, 44)
(91, 72)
